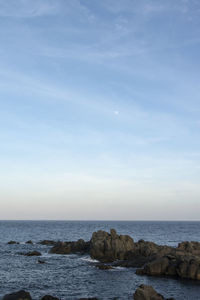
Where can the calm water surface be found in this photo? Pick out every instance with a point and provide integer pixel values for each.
(73, 276)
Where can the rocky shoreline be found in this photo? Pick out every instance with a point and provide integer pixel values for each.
(112, 250)
(151, 259)
(143, 292)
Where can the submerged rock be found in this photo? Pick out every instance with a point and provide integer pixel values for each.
(41, 261)
(104, 267)
(88, 298)
(147, 292)
(109, 247)
(20, 295)
(29, 242)
(32, 253)
(71, 247)
(49, 297)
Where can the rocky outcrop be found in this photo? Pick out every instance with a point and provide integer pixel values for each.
(12, 243)
(146, 292)
(173, 265)
(110, 247)
(147, 249)
(152, 259)
(21, 295)
(71, 247)
(142, 253)
(47, 242)
(189, 247)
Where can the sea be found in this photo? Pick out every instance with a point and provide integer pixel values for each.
(70, 277)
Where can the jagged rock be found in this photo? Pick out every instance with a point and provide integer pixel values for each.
(20, 295)
(109, 247)
(29, 242)
(104, 267)
(144, 252)
(147, 292)
(173, 265)
(49, 297)
(47, 242)
(190, 247)
(71, 247)
(134, 262)
(146, 249)
(12, 243)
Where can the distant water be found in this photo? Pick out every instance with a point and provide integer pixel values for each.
(73, 276)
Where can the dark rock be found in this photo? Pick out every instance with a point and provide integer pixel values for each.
(110, 247)
(134, 262)
(190, 247)
(104, 267)
(146, 292)
(47, 242)
(21, 295)
(88, 298)
(147, 249)
(71, 247)
(32, 253)
(49, 297)
(29, 242)
(41, 261)
(12, 243)
(173, 265)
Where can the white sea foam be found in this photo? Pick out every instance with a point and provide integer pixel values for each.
(89, 259)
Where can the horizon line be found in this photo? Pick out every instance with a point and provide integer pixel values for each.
(98, 220)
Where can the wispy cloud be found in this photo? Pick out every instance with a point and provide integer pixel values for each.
(28, 8)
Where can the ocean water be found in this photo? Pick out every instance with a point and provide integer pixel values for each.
(75, 276)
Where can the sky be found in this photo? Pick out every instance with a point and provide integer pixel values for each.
(100, 109)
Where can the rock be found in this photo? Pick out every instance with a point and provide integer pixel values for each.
(41, 261)
(12, 243)
(110, 247)
(49, 297)
(147, 249)
(104, 267)
(71, 247)
(47, 242)
(29, 242)
(32, 253)
(190, 247)
(173, 265)
(21, 295)
(88, 298)
(134, 262)
(157, 267)
(146, 292)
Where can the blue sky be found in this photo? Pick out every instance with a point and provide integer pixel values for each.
(99, 109)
